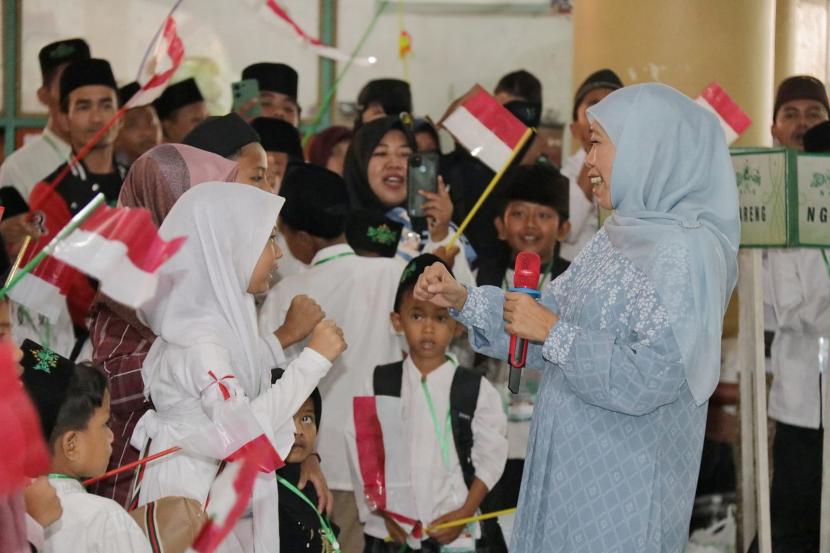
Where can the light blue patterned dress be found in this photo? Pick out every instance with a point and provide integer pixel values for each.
(616, 438)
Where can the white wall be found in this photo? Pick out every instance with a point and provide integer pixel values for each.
(451, 52)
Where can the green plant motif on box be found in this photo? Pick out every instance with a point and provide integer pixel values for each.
(749, 180)
(821, 181)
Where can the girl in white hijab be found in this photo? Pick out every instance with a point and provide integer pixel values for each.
(209, 351)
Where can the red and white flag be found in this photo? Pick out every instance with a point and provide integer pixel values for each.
(162, 59)
(118, 246)
(383, 459)
(121, 248)
(733, 120)
(44, 290)
(486, 128)
(234, 431)
(230, 495)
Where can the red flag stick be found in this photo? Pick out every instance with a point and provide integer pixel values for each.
(130, 466)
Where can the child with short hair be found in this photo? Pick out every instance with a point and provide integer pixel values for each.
(74, 407)
(532, 217)
(452, 471)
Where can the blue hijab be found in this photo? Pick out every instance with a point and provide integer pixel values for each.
(673, 189)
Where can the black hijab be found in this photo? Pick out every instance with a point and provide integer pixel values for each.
(356, 166)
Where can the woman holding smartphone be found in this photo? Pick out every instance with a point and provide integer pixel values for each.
(376, 174)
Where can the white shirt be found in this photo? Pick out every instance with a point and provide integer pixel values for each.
(801, 300)
(34, 161)
(439, 489)
(358, 293)
(584, 216)
(91, 524)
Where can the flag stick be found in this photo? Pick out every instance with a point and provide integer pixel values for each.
(19, 258)
(490, 187)
(73, 224)
(468, 520)
(131, 466)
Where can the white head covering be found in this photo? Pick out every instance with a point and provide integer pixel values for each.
(673, 185)
(206, 300)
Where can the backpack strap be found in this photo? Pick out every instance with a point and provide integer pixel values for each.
(466, 385)
(387, 379)
(463, 400)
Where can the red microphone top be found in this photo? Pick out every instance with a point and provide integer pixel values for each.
(526, 271)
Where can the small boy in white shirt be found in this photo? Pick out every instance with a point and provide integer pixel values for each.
(454, 422)
(74, 407)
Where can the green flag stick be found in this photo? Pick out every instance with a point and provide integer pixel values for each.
(73, 224)
(324, 105)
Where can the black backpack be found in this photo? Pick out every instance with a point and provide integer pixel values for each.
(387, 380)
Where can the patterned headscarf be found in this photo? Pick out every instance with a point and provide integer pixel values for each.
(162, 174)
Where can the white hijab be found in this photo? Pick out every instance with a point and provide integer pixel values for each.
(673, 185)
(205, 299)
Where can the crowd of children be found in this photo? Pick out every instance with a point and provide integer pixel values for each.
(281, 306)
(294, 294)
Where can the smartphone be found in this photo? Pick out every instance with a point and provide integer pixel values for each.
(243, 92)
(422, 174)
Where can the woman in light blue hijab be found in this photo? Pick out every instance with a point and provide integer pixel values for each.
(628, 338)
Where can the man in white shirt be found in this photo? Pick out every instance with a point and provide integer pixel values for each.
(798, 282)
(584, 216)
(41, 156)
(357, 292)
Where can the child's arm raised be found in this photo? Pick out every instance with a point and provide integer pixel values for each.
(278, 404)
(301, 319)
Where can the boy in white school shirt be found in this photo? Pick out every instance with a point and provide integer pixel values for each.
(454, 422)
(357, 292)
(74, 408)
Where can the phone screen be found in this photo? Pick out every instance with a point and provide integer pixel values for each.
(422, 174)
(243, 92)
